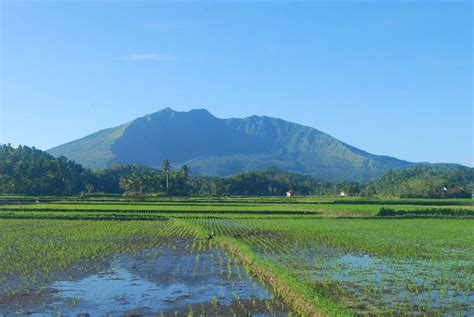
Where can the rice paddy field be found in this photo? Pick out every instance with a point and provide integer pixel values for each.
(238, 256)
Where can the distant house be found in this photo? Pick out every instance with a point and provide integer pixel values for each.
(455, 192)
(290, 193)
(343, 194)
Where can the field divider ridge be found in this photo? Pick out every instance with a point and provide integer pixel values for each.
(303, 298)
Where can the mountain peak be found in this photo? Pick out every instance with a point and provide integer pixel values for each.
(168, 112)
(213, 146)
(201, 111)
(171, 113)
(166, 109)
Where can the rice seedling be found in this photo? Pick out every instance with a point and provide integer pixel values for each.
(339, 256)
(383, 266)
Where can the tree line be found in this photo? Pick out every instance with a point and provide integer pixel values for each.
(29, 171)
(425, 181)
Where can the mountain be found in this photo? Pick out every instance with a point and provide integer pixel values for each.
(213, 146)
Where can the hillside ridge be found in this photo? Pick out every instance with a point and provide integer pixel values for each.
(219, 147)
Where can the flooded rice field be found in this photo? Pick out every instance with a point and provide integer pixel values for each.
(378, 267)
(370, 284)
(180, 278)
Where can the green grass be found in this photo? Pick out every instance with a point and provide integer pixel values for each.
(228, 207)
(419, 258)
(282, 241)
(31, 249)
(429, 238)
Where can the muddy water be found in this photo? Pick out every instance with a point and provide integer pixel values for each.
(169, 280)
(385, 285)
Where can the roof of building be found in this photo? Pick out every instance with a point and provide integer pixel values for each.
(455, 189)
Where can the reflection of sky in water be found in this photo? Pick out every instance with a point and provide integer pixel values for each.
(392, 282)
(172, 280)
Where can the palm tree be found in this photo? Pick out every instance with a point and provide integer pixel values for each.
(166, 170)
(184, 171)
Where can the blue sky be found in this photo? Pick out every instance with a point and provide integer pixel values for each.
(389, 77)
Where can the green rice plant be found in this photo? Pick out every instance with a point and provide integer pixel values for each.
(331, 252)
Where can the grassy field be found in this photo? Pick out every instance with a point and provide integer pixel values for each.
(32, 249)
(328, 256)
(246, 206)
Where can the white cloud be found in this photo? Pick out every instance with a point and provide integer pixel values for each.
(150, 57)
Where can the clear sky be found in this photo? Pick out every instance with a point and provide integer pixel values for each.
(389, 77)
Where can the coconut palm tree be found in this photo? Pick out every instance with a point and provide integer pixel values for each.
(166, 170)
